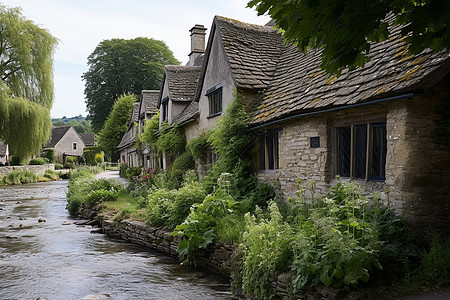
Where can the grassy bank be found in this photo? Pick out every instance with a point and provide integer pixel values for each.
(21, 177)
(344, 239)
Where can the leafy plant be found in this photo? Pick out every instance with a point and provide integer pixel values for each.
(38, 161)
(198, 228)
(436, 261)
(180, 165)
(171, 140)
(266, 246)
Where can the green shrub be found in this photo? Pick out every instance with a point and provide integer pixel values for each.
(38, 161)
(436, 261)
(72, 159)
(198, 228)
(19, 176)
(199, 145)
(69, 165)
(50, 154)
(16, 161)
(50, 174)
(123, 171)
(89, 154)
(84, 191)
(98, 196)
(190, 193)
(74, 205)
(267, 246)
(132, 172)
(59, 166)
(181, 164)
(159, 203)
(99, 158)
(335, 244)
(172, 141)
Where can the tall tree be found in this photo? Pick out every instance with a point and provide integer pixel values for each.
(346, 28)
(116, 124)
(119, 66)
(26, 82)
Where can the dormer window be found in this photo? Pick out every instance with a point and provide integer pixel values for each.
(215, 102)
(165, 109)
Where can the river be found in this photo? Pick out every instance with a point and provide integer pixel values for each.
(55, 259)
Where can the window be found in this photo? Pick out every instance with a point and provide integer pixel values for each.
(74, 146)
(268, 150)
(165, 109)
(211, 156)
(361, 151)
(215, 102)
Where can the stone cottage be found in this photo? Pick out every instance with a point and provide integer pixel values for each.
(67, 142)
(127, 146)
(373, 125)
(147, 109)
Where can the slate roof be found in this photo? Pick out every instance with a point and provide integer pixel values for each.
(298, 84)
(126, 140)
(149, 103)
(3, 148)
(88, 139)
(182, 82)
(135, 113)
(252, 51)
(188, 114)
(57, 134)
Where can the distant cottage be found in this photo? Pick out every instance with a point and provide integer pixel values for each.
(373, 125)
(68, 142)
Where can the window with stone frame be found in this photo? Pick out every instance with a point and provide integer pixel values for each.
(74, 146)
(215, 102)
(165, 109)
(361, 151)
(269, 150)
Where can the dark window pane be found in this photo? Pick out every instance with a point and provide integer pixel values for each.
(262, 153)
(215, 102)
(344, 139)
(275, 150)
(360, 151)
(378, 163)
(270, 151)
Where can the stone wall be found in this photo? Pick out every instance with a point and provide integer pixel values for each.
(36, 169)
(417, 170)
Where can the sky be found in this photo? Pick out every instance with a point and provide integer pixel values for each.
(80, 25)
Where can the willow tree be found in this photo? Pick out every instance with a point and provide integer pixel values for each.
(26, 82)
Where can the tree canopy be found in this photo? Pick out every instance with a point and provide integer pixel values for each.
(26, 82)
(119, 66)
(345, 29)
(79, 123)
(116, 124)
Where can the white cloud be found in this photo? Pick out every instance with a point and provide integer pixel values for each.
(81, 25)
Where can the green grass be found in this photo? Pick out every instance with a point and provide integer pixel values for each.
(126, 207)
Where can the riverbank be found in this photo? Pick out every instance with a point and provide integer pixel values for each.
(148, 214)
(219, 258)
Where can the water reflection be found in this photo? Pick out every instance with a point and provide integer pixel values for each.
(55, 261)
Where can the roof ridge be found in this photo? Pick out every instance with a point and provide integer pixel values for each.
(245, 25)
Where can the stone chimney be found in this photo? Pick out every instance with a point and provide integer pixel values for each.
(198, 33)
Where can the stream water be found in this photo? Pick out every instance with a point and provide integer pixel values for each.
(43, 255)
